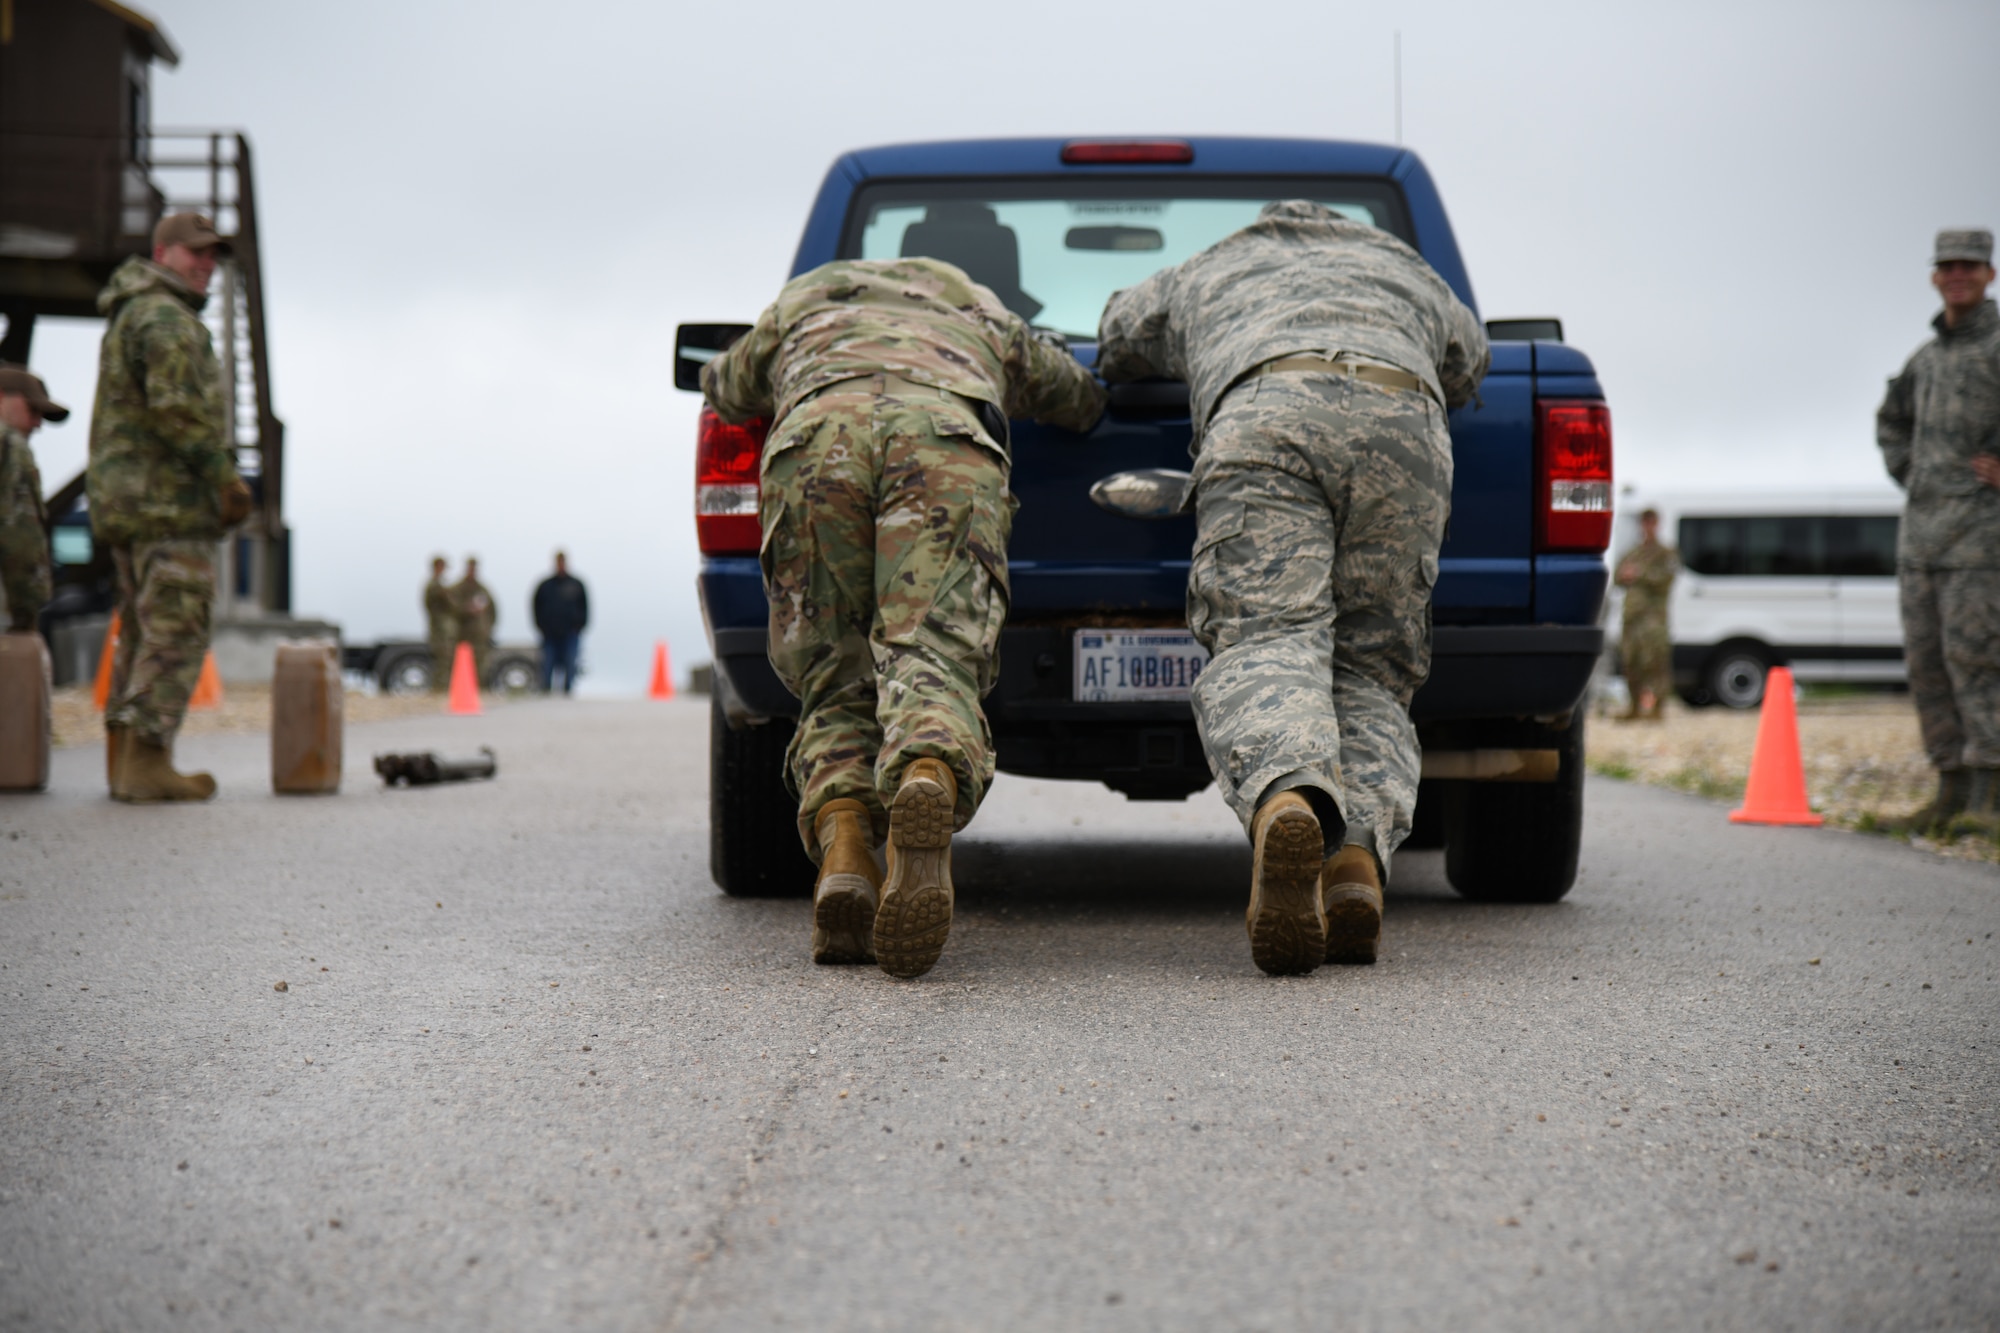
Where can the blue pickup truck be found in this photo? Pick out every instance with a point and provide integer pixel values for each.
(1095, 657)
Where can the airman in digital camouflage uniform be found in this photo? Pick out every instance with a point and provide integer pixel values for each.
(440, 625)
(885, 513)
(25, 576)
(1646, 573)
(1939, 429)
(163, 491)
(1320, 355)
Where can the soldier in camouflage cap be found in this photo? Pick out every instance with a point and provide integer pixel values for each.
(1321, 355)
(25, 575)
(440, 624)
(885, 514)
(1939, 429)
(163, 490)
(474, 612)
(1646, 573)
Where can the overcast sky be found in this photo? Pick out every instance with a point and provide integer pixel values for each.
(482, 222)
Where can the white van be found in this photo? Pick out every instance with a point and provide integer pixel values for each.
(1797, 578)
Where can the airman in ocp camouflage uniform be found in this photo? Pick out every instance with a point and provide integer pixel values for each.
(885, 514)
(25, 575)
(1645, 646)
(473, 614)
(441, 626)
(1321, 355)
(1939, 430)
(163, 491)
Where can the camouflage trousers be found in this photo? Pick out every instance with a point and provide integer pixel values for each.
(166, 598)
(1647, 654)
(24, 566)
(885, 514)
(1951, 640)
(1320, 506)
(444, 646)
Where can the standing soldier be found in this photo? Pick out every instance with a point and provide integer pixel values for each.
(441, 624)
(473, 612)
(1644, 645)
(1939, 428)
(163, 491)
(24, 530)
(1320, 355)
(885, 512)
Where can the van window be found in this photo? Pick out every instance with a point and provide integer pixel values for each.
(1790, 545)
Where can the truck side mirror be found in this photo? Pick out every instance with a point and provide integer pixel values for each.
(695, 345)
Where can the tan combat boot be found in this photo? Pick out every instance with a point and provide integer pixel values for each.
(1286, 922)
(114, 755)
(1954, 788)
(915, 912)
(1350, 888)
(849, 883)
(146, 775)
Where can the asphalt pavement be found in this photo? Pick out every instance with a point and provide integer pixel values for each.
(499, 1056)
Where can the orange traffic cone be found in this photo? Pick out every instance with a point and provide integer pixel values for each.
(102, 693)
(663, 676)
(464, 684)
(1777, 790)
(207, 694)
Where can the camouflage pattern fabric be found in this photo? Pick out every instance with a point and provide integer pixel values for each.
(1644, 644)
(166, 596)
(442, 623)
(474, 613)
(1951, 639)
(1302, 279)
(920, 319)
(886, 512)
(158, 459)
(25, 576)
(1943, 409)
(1320, 505)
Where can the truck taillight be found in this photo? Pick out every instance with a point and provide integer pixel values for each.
(725, 484)
(1573, 475)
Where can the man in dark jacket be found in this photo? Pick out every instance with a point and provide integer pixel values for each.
(562, 609)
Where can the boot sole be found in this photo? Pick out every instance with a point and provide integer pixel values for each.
(915, 913)
(1287, 923)
(1353, 925)
(844, 920)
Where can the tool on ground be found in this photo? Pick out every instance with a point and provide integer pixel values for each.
(307, 713)
(1776, 793)
(426, 769)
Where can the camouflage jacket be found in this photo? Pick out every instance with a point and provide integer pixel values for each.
(158, 459)
(439, 608)
(920, 319)
(1943, 409)
(20, 481)
(1300, 279)
(1646, 573)
(473, 609)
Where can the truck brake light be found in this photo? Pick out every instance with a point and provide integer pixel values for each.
(725, 484)
(1573, 475)
(1127, 152)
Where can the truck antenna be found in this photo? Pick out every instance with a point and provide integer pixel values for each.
(1399, 87)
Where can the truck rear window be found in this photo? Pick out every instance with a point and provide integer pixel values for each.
(1791, 545)
(1055, 250)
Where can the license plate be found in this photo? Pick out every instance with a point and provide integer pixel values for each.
(1115, 666)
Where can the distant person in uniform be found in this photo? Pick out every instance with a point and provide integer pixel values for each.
(562, 610)
(163, 491)
(885, 511)
(1939, 429)
(1644, 643)
(441, 626)
(1321, 355)
(25, 575)
(474, 612)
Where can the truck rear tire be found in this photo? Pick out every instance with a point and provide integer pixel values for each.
(1517, 842)
(753, 822)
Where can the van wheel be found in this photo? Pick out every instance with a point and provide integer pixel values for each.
(1735, 675)
(753, 822)
(1517, 842)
